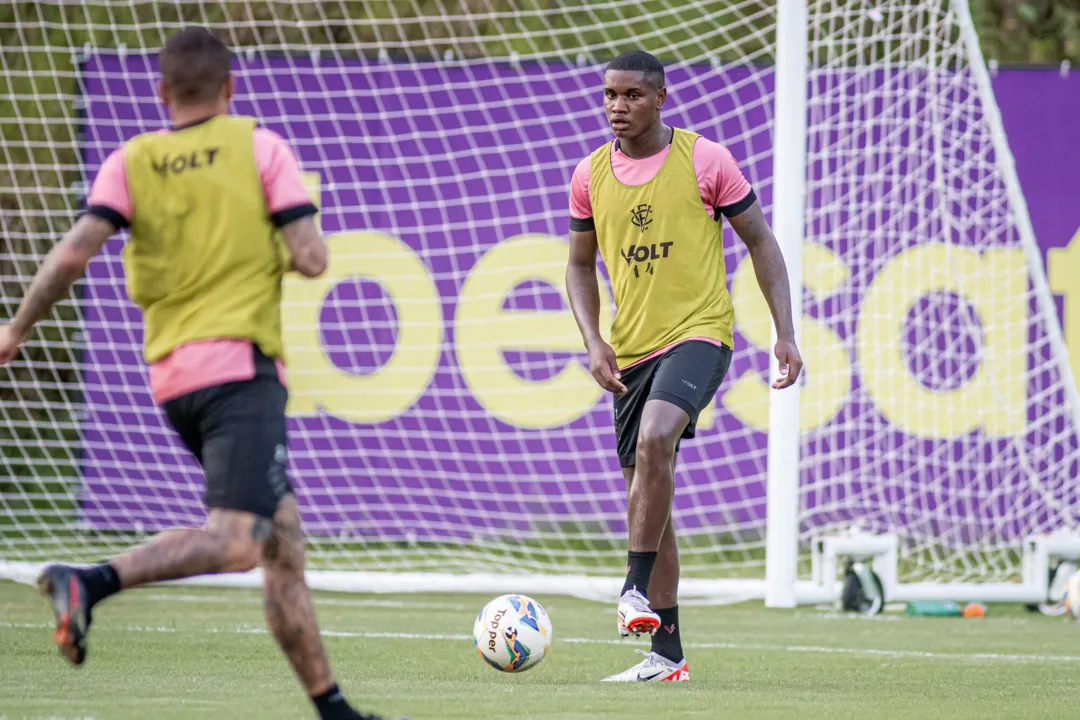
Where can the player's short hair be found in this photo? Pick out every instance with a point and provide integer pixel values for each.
(194, 66)
(640, 61)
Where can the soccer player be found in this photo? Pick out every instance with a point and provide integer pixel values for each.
(652, 202)
(204, 201)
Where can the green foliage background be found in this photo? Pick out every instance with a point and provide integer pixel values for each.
(39, 164)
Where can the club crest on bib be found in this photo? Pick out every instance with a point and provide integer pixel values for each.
(641, 216)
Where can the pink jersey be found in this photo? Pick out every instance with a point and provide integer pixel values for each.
(720, 181)
(206, 363)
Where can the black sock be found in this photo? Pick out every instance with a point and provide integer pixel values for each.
(100, 582)
(638, 570)
(666, 641)
(332, 705)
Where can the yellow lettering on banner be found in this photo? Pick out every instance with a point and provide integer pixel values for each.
(828, 368)
(315, 383)
(995, 284)
(483, 330)
(1064, 269)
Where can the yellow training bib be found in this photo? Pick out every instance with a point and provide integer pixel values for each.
(204, 261)
(664, 253)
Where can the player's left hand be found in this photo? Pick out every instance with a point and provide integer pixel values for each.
(787, 353)
(10, 340)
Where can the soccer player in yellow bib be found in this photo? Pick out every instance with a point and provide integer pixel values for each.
(652, 201)
(204, 201)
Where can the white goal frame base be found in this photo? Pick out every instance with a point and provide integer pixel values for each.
(600, 588)
(827, 550)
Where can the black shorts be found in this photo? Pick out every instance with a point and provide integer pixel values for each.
(687, 375)
(237, 432)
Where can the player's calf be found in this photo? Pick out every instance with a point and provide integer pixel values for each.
(291, 615)
(651, 491)
(231, 542)
(287, 601)
(648, 511)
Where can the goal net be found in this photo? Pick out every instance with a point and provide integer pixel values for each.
(442, 422)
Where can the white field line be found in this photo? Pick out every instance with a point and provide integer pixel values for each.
(760, 647)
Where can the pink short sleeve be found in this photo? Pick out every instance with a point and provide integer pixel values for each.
(279, 170)
(580, 202)
(721, 182)
(110, 188)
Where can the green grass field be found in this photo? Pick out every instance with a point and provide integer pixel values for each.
(179, 652)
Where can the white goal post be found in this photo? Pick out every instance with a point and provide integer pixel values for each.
(444, 435)
(783, 588)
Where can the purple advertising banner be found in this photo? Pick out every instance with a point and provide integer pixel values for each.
(436, 383)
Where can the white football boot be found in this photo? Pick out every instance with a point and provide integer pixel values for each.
(653, 669)
(635, 617)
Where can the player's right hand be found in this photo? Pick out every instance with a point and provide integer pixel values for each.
(10, 340)
(604, 367)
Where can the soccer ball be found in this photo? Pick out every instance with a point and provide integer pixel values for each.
(1072, 596)
(512, 633)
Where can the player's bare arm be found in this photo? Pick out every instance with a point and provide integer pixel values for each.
(583, 289)
(64, 264)
(773, 280)
(306, 246)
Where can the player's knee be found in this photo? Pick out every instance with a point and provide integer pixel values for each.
(237, 539)
(240, 553)
(233, 552)
(283, 551)
(655, 446)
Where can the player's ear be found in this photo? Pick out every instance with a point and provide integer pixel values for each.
(164, 96)
(661, 95)
(230, 87)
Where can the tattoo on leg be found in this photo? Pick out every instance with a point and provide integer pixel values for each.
(271, 548)
(289, 610)
(262, 529)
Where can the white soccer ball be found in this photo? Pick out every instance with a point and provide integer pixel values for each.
(512, 633)
(1072, 596)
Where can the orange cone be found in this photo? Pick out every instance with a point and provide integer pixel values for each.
(975, 610)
